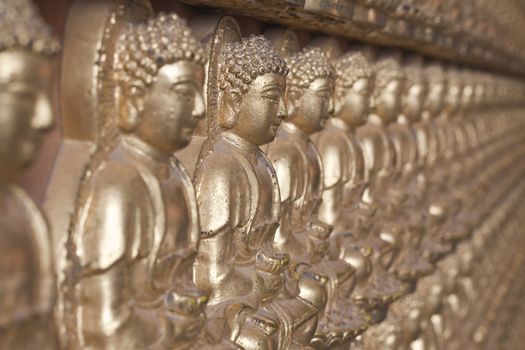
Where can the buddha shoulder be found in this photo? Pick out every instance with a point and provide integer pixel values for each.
(220, 165)
(116, 178)
(116, 212)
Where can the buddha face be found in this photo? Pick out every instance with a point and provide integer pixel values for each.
(311, 107)
(25, 108)
(256, 115)
(353, 104)
(479, 93)
(413, 102)
(435, 97)
(171, 107)
(467, 97)
(388, 101)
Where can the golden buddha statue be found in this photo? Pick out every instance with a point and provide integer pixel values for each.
(406, 189)
(27, 290)
(380, 159)
(378, 150)
(414, 322)
(446, 171)
(252, 301)
(136, 234)
(447, 321)
(430, 290)
(446, 141)
(402, 328)
(299, 169)
(344, 184)
(434, 105)
(467, 157)
(414, 97)
(474, 123)
(342, 157)
(426, 133)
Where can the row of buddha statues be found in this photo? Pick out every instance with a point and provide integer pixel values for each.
(256, 192)
(481, 31)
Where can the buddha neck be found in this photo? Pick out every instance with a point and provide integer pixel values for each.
(144, 150)
(426, 117)
(403, 120)
(341, 124)
(295, 131)
(240, 143)
(374, 119)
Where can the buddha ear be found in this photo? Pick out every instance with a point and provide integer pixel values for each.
(373, 102)
(338, 101)
(292, 97)
(230, 107)
(131, 106)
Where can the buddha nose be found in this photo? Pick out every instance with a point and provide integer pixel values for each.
(43, 113)
(282, 113)
(199, 109)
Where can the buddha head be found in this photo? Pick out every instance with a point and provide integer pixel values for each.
(454, 91)
(26, 70)
(252, 80)
(309, 90)
(353, 88)
(415, 91)
(387, 88)
(480, 84)
(468, 91)
(437, 85)
(160, 75)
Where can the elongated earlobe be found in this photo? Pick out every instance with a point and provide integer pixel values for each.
(131, 107)
(292, 97)
(230, 108)
(338, 102)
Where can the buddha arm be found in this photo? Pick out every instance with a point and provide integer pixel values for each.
(279, 156)
(332, 195)
(421, 141)
(108, 240)
(331, 205)
(220, 214)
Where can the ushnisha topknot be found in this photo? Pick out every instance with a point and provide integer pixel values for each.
(144, 48)
(243, 61)
(387, 69)
(307, 65)
(350, 67)
(22, 27)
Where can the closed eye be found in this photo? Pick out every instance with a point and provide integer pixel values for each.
(185, 91)
(271, 97)
(323, 94)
